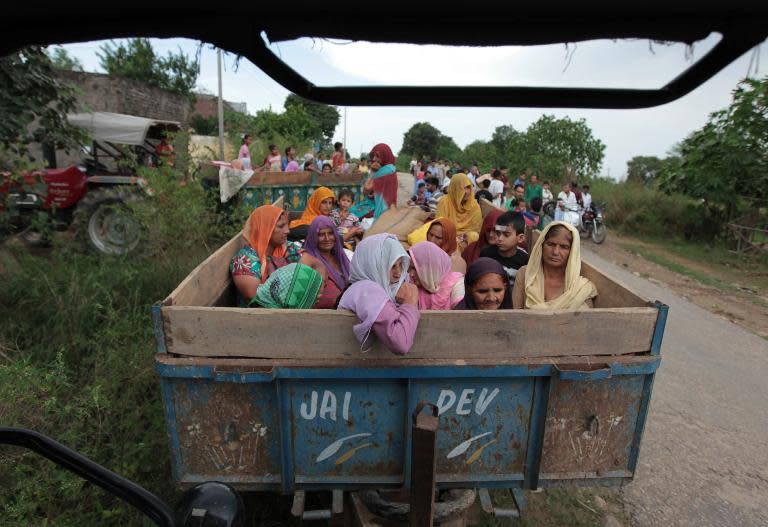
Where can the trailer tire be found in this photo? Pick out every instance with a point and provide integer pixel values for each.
(105, 223)
(456, 503)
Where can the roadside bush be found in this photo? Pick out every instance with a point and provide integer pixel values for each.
(77, 358)
(643, 210)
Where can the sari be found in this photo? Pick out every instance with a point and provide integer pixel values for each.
(258, 232)
(313, 206)
(337, 280)
(384, 180)
(440, 287)
(294, 286)
(467, 217)
(370, 290)
(578, 289)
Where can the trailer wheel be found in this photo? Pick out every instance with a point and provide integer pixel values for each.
(455, 502)
(105, 223)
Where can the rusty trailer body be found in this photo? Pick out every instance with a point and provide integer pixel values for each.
(284, 400)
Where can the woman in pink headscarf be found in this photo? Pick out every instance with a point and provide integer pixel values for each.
(430, 271)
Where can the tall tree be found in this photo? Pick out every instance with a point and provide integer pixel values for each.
(421, 139)
(137, 60)
(560, 149)
(327, 117)
(725, 163)
(30, 92)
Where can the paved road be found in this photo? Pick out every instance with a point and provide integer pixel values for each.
(704, 456)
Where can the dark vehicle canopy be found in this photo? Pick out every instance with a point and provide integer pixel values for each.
(742, 23)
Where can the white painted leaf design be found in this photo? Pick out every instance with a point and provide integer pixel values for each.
(335, 446)
(462, 447)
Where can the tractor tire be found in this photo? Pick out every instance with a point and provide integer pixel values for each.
(105, 223)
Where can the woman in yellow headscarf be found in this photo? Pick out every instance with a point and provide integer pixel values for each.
(320, 203)
(460, 206)
(552, 279)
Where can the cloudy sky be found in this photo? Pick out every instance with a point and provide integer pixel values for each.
(623, 64)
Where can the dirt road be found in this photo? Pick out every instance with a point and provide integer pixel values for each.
(704, 457)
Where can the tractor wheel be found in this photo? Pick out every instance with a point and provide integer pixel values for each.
(105, 223)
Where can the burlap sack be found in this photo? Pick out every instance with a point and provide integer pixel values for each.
(400, 222)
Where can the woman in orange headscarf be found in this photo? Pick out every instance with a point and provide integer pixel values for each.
(320, 203)
(442, 232)
(460, 206)
(266, 250)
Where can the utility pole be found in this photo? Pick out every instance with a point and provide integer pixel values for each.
(221, 110)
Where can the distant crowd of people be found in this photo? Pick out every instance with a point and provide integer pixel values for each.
(275, 162)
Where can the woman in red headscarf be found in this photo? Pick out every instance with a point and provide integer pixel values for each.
(382, 162)
(487, 236)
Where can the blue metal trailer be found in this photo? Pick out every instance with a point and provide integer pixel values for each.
(286, 401)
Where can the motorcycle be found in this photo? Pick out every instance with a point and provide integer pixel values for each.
(592, 224)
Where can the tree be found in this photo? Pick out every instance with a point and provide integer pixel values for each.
(562, 148)
(31, 93)
(64, 61)
(509, 149)
(644, 169)
(421, 139)
(481, 153)
(137, 60)
(327, 117)
(725, 163)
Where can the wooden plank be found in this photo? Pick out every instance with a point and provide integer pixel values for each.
(611, 293)
(267, 365)
(327, 334)
(209, 280)
(279, 178)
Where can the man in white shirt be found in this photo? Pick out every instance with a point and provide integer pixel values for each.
(497, 189)
(586, 197)
(474, 173)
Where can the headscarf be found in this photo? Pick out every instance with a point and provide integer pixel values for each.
(374, 257)
(433, 266)
(577, 288)
(370, 290)
(467, 217)
(294, 286)
(480, 267)
(258, 232)
(472, 252)
(384, 179)
(313, 206)
(450, 244)
(311, 247)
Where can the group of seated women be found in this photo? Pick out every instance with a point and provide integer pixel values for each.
(386, 286)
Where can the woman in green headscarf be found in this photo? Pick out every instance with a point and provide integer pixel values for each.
(294, 286)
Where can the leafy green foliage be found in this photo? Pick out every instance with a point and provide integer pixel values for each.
(205, 125)
(325, 116)
(64, 61)
(31, 93)
(648, 169)
(725, 163)
(423, 139)
(77, 358)
(556, 148)
(137, 60)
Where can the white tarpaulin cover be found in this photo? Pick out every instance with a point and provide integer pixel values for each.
(115, 127)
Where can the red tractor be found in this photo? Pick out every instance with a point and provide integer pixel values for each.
(91, 197)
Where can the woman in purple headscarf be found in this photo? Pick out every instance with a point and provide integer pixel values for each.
(486, 286)
(324, 245)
